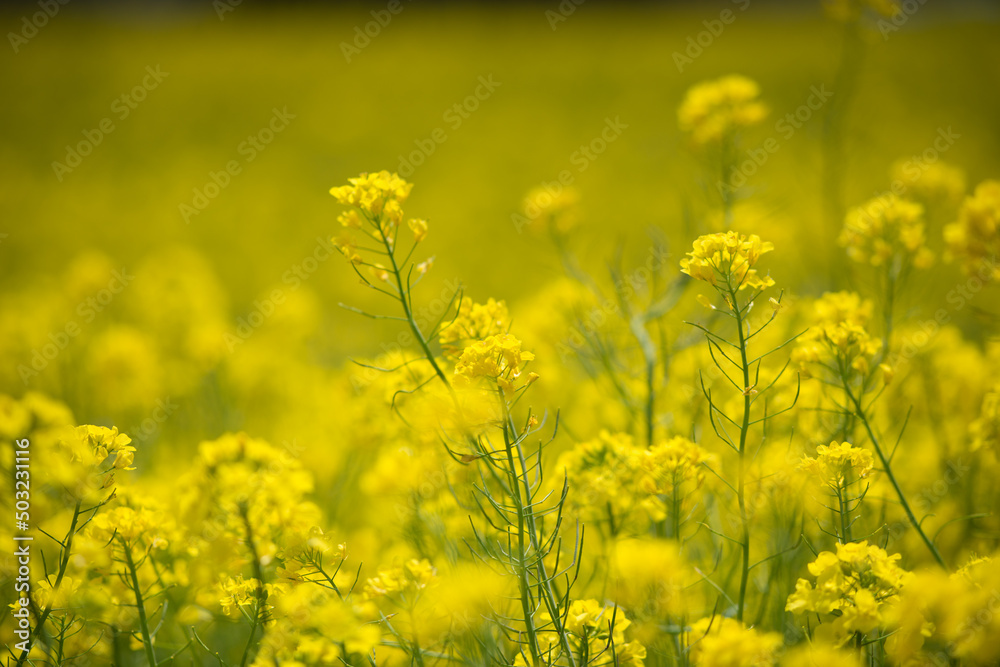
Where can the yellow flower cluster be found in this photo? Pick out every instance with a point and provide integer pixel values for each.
(312, 627)
(818, 653)
(985, 430)
(713, 111)
(851, 589)
(941, 618)
(406, 580)
(602, 471)
(258, 492)
(653, 579)
(666, 466)
(376, 195)
(599, 633)
(237, 593)
(498, 358)
(725, 260)
(839, 337)
(933, 184)
(107, 441)
(725, 642)
(474, 322)
(837, 462)
(130, 525)
(613, 476)
(974, 239)
(885, 230)
(377, 202)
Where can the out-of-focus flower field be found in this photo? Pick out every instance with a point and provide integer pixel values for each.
(629, 335)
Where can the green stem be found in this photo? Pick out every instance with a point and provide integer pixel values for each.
(845, 528)
(147, 639)
(417, 333)
(741, 482)
(527, 511)
(258, 573)
(887, 467)
(650, 401)
(522, 567)
(63, 564)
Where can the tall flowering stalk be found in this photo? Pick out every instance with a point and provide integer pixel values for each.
(846, 354)
(488, 365)
(713, 114)
(726, 262)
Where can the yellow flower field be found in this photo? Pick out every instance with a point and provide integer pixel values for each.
(555, 334)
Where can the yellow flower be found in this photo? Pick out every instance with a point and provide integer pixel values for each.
(419, 229)
(376, 199)
(931, 183)
(653, 579)
(474, 322)
(852, 589)
(596, 627)
(499, 358)
(725, 642)
(974, 239)
(947, 618)
(885, 230)
(725, 260)
(820, 654)
(372, 193)
(714, 110)
(839, 336)
(835, 460)
(413, 577)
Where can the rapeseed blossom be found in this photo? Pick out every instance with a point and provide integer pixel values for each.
(712, 111)
(726, 261)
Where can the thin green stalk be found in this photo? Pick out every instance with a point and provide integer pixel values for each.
(526, 510)
(261, 592)
(417, 333)
(147, 639)
(63, 564)
(650, 401)
(887, 467)
(845, 528)
(741, 482)
(522, 569)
